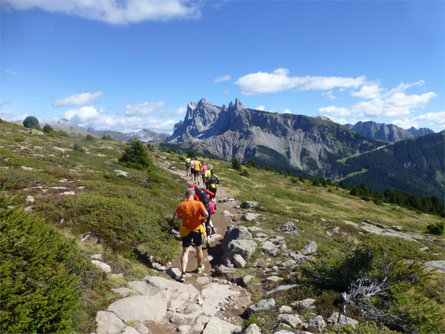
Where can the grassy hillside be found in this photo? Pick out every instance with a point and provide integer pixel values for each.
(78, 202)
(69, 182)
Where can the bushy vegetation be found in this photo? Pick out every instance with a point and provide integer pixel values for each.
(48, 129)
(135, 156)
(436, 229)
(39, 275)
(31, 122)
(377, 284)
(236, 165)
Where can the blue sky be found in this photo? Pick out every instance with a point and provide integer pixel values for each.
(132, 64)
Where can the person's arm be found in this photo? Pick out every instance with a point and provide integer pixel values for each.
(211, 194)
(177, 214)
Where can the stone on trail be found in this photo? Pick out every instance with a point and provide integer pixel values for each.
(245, 248)
(306, 303)
(108, 323)
(102, 266)
(310, 248)
(184, 329)
(340, 320)
(237, 233)
(262, 305)
(142, 329)
(130, 330)
(285, 309)
(252, 329)
(215, 295)
(218, 326)
(284, 287)
(226, 213)
(123, 292)
(142, 308)
(239, 261)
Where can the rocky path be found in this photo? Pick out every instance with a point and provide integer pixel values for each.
(160, 304)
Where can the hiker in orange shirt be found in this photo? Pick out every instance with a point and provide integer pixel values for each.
(193, 214)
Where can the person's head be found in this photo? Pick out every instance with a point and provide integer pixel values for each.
(212, 172)
(190, 192)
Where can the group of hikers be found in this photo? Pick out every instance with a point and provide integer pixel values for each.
(196, 211)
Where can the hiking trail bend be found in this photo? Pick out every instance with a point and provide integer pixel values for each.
(202, 304)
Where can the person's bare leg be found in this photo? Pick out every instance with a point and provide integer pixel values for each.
(185, 258)
(199, 255)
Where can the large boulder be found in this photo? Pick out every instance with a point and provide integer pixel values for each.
(237, 232)
(262, 305)
(310, 248)
(245, 248)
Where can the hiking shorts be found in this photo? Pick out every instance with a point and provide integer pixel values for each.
(196, 172)
(196, 236)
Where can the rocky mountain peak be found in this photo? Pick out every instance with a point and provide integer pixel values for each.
(224, 107)
(231, 105)
(238, 104)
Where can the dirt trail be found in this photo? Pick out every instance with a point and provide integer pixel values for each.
(211, 255)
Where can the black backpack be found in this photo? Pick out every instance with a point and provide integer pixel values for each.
(203, 198)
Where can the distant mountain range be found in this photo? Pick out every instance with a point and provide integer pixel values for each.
(145, 135)
(316, 147)
(387, 132)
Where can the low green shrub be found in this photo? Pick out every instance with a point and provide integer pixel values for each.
(436, 229)
(39, 275)
(135, 156)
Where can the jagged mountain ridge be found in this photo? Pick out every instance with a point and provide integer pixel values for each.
(145, 135)
(284, 141)
(387, 132)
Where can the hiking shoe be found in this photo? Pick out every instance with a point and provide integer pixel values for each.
(213, 231)
(182, 278)
(200, 269)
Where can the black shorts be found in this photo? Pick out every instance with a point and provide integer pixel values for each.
(196, 172)
(196, 236)
(213, 190)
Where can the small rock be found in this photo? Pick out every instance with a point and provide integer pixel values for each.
(30, 199)
(310, 248)
(269, 248)
(130, 330)
(341, 320)
(274, 278)
(290, 228)
(249, 204)
(142, 329)
(282, 288)
(262, 305)
(108, 323)
(306, 303)
(238, 261)
(336, 229)
(68, 193)
(246, 279)
(203, 280)
(316, 324)
(184, 329)
(102, 266)
(98, 257)
(123, 292)
(252, 329)
(120, 173)
(437, 265)
(283, 331)
(226, 213)
(292, 320)
(218, 326)
(397, 228)
(285, 309)
(289, 264)
(249, 216)
(329, 234)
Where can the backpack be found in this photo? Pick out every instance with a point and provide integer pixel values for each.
(207, 175)
(188, 162)
(203, 198)
(213, 181)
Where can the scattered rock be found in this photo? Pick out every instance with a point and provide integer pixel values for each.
(249, 204)
(226, 213)
(68, 193)
(102, 266)
(338, 320)
(252, 329)
(249, 216)
(285, 309)
(290, 228)
(108, 323)
(218, 326)
(120, 173)
(142, 308)
(27, 168)
(130, 330)
(283, 331)
(239, 261)
(269, 248)
(306, 303)
(246, 279)
(30, 199)
(237, 233)
(274, 278)
(123, 292)
(98, 257)
(437, 265)
(316, 324)
(292, 320)
(310, 248)
(288, 264)
(184, 329)
(262, 305)
(245, 248)
(36, 132)
(282, 288)
(142, 329)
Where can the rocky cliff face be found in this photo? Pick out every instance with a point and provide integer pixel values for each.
(387, 132)
(284, 141)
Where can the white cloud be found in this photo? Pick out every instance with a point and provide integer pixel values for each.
(82, 115)
(380, 103)
(329, 94)
(261, 107)
(178, 112)
(77, 100)
(279, 81)
(405, 123)
(368, 92)
(287, 111)
(114, 11)
(141, 109)
(223, 78)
